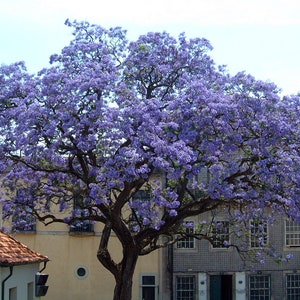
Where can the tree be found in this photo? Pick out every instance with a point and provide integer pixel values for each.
(108, 114)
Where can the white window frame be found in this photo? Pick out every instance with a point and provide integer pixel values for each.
(262, 288)
(217, 235)
(292, 286)
(254, 238)
(292, 233)
(188, 242)
(182, 290)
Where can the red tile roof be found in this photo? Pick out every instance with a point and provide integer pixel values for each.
(13, 252)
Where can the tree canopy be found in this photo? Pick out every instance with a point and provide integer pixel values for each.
(109, 114)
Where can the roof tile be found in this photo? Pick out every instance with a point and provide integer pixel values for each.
(13, 252)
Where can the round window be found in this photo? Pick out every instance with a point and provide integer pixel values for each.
(81, 272)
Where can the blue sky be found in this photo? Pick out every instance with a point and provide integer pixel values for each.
(261, 37)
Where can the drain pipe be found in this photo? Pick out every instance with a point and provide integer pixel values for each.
(3, 282)
(171, 270)
(45, 264)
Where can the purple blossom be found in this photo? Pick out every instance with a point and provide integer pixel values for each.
(109, 119)
(173, 213)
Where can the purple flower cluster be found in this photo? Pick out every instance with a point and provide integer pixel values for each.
(107, 116)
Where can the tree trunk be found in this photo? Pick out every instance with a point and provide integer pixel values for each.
(123, 288)
(122, 272)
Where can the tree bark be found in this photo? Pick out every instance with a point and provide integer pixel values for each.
(122, 271)
(123, 287)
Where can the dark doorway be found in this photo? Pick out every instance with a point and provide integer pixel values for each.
(220, 287)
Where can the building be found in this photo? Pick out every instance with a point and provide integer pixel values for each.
(75, 273)
(19, 267)
(201, 270)
(189, 270)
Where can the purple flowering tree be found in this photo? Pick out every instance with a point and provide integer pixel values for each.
(109, 115)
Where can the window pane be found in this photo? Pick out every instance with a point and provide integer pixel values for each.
(148, 280)
(293, 286)
(258, 234)
(148, 293)
(30, 288)
(187, 242)
(292, 234)
(23, 217)
(81, 212)
(185, 288)
(259, 287)
(142, 195)
(148, 287)
(220, 234)
(13, 294)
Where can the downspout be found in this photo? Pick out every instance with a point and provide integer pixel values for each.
(170, 262)
(45, 264)
(171, 270)
(170, 266)
(3, 282)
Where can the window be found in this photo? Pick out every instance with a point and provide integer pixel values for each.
(259, 287)
(195, 184)
(30, 287)
(189, 241)
(141, 197)
(23, 219)
(258, 234)
(13, 294)
(185, 288)
(148, 287)
(220, 234)
(80, 212)
(292, 234)
(292, 286)
(81, 272)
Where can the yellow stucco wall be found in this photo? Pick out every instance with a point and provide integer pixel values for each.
(68, 252)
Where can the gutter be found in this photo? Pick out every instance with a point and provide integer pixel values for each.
(4, 280)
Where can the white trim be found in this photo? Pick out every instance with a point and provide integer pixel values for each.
(202, 286)
(240, 286)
